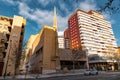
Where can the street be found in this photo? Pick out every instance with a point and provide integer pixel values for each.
(91, 77)
(100, 76)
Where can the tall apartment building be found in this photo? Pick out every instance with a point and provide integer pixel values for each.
(66, 39)
(91, 32)
(11, 40)
(61, 42)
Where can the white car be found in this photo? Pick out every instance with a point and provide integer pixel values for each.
(91, 72)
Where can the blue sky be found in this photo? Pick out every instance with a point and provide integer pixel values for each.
(40, 12)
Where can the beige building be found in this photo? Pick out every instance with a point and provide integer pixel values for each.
(44, 58)
(28, 51)
(91, 32)
(45, 52)
(11, 39)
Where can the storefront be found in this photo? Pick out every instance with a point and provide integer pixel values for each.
(104, 65)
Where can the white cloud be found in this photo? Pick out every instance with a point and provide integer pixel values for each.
(64, 7)
(45, 17)
(12, 2)
(44, 2)
(87, 5)
(91, 5)
(42, 17)
(108, 18)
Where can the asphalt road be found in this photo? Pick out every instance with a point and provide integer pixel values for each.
(100, 76)
(82, 77)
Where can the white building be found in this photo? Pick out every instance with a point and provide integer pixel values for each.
(61, 42)
(90, 31)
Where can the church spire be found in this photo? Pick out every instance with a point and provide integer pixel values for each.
(55, 19)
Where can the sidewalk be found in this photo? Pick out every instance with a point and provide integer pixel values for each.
(33, 76)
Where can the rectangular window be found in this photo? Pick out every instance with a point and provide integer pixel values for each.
(5, 27)
(4, 34)
(2, 40)
(15, 35)
(0, 25)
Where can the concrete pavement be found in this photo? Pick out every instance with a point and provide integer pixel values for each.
(33, 76)
(41, 75)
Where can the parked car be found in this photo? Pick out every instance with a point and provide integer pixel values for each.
(91, 72)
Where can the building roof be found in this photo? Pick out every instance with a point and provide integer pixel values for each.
(89, 12)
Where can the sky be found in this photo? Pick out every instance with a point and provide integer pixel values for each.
(40, 12)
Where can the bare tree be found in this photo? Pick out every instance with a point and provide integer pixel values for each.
(77, 55)
(111, 6)
(116, 57)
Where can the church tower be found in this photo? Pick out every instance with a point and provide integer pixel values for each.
(57, 58)
(55, 19)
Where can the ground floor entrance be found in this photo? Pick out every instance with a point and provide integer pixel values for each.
(70, 64)
(104, 66)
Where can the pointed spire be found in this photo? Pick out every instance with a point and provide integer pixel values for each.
(55, 19)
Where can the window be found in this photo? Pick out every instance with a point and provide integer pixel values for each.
(15, 35)
(2, 40)
(21, 33)
(4, 34)
(0, 25)
(22, 26)
(6, 27)
(20, 40)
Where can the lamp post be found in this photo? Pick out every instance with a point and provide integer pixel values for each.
(7, 60)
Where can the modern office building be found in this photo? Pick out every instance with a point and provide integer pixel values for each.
(66, 39)
(91, 32)
(61, 42)
(11, 40)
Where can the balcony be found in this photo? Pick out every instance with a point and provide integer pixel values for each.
(7, 35)
(4, 54)
(6, 45)
(1, 49)
(9, 28)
